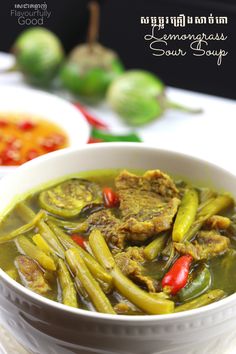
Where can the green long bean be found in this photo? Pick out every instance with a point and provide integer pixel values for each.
(42, 244)
(50, 238)
(220, 203)
(153, 249)
(125, 286)
(215, 206)
(28, 248)
(95, 268)
(101, 250)
(185, 215)
(95, 293)
(23, 229)
(80, 289)
(26, 212)
(69, 296)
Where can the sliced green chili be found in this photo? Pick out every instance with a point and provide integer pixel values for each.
(197, 286)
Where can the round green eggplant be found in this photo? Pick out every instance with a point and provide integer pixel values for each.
(90, 70)
(137, 96)
(39, 54)
(68, 198)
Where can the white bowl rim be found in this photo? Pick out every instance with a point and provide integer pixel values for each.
(142, 319)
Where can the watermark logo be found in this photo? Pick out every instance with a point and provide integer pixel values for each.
(29, 14)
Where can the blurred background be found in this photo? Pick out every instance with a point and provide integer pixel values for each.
(120, 29)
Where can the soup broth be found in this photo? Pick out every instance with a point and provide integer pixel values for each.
(123, 243)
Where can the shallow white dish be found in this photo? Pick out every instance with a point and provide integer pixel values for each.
(7, 61)
(47, 106)
(43, 326)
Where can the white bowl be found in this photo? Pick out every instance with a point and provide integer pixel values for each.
(46, 106)
(44, 326)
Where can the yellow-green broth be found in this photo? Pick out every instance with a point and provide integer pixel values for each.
(222, 267)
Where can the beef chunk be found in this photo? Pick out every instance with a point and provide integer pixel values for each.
(148, 203)
(152, 222)
(131, 262)
(218, 222)
(31, 275)
(108, 224)
(208, 244)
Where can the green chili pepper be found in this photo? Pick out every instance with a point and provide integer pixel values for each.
(197, 286)
(108, 137)
(203, 300)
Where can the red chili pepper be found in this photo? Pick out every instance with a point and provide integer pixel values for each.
(79, 240)
(10, 157)
(176, 278)
(32, 154)
(58, 138)
(26, 125)
(94, 140)
(48, 145)
(3, 123)
(14, 143)
(110, 197)
(95, 122)
(52, 142)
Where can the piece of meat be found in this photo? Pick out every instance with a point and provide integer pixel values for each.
(154, 181)
(150, 222)
(208, 244)
(218, 222)
(31, 275)
(148, 203)
(108, 224)
(131, 262)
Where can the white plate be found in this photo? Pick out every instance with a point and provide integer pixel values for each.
(7, 61)
(15, 99)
